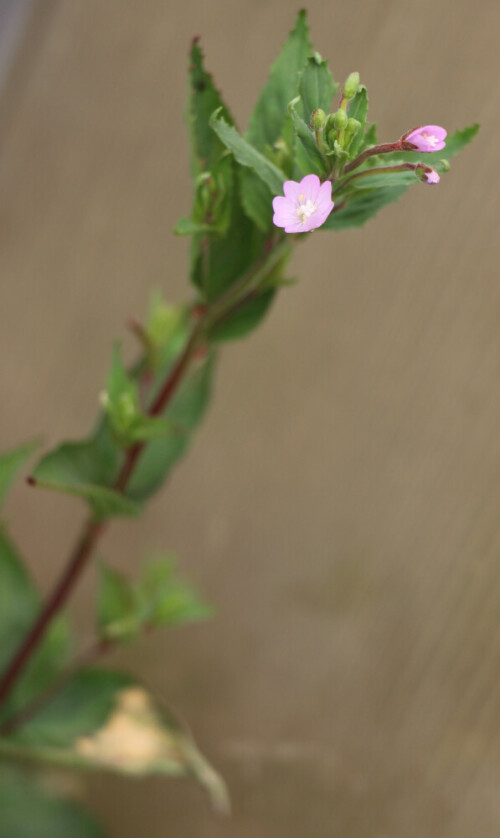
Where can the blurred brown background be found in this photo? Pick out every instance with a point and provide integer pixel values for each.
(340, 504)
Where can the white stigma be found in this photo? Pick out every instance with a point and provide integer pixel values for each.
(431, 139)
(305, 208)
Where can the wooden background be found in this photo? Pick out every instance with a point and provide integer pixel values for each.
(340, 506)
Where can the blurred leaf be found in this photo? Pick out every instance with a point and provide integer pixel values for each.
(184, 413)
(78, 468)
(28, 811)
(309, 157)
(245, 318)
(102, 720)
(364, 204)
(317, 87)
(380, 179)
(10, 463)
(270, 114)
(165, 599)
(370, 137)
(117, 606)
(358, 109)
(247, 155)
(256, 199)
(19, 606)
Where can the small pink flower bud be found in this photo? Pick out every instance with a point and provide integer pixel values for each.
(305, 205)
(427, 138)
(427, 174)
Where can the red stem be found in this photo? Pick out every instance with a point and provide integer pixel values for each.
(91, 533)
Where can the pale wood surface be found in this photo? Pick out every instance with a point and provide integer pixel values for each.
(340, 505)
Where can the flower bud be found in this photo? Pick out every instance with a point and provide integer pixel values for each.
(318, 120)
(427, 174)
(445, 165)
(351, 86)
(353, 126)
(340, 120)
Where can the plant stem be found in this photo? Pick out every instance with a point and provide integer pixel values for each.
(376, 170)
(384, 148)
(94, 528)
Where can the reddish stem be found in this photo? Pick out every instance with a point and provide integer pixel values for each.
(91, 533)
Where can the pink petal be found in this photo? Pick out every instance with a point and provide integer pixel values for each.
(310, 186)
(292, 189)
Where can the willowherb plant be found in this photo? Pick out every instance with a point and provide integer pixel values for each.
(308, 160)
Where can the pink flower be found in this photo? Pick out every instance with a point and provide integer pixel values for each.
(431, 176)
(306, 205)
(426, 138)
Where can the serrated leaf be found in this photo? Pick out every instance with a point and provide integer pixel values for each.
(309, 158)
(19, 606)
(269, 117)
(10, 463)
(29, 811)
(317, 87)
(104, 721)
(364, 205)
(358, 109)
(246, 155)
(204, 99)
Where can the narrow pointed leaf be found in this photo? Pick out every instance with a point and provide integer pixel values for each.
(246, 155)
(317, 87)
(268, 119)
(358, 109)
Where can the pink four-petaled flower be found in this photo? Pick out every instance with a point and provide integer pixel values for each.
(306, 205)
(427, 138)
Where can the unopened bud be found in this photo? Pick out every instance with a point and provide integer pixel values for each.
(353, 126)
(318, 120)
(445, 165)
(340, 120)
(351, 86)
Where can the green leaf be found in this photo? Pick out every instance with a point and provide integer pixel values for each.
(245, 318)
(378, 179)
(364, 204)
(370, 137)
(358, 109)
(317, 87)
(10, 463)
(269, 117)
(117, 606)
(309, 158)
(87, 470)
(104, 721)
(247, 155)
(454, 144)
(256, 199)
(184, 414)
(19, 606)
(204, 99)
(28, 811)
(188, 227)
(166, 600)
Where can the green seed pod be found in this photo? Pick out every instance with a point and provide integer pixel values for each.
(318, 120)
(351, 86)
(340, 120)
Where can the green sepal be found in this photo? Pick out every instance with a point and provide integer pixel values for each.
(317, 87)
(10, 463)
(268, 121)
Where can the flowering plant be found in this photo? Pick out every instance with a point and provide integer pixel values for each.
(303, 164)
